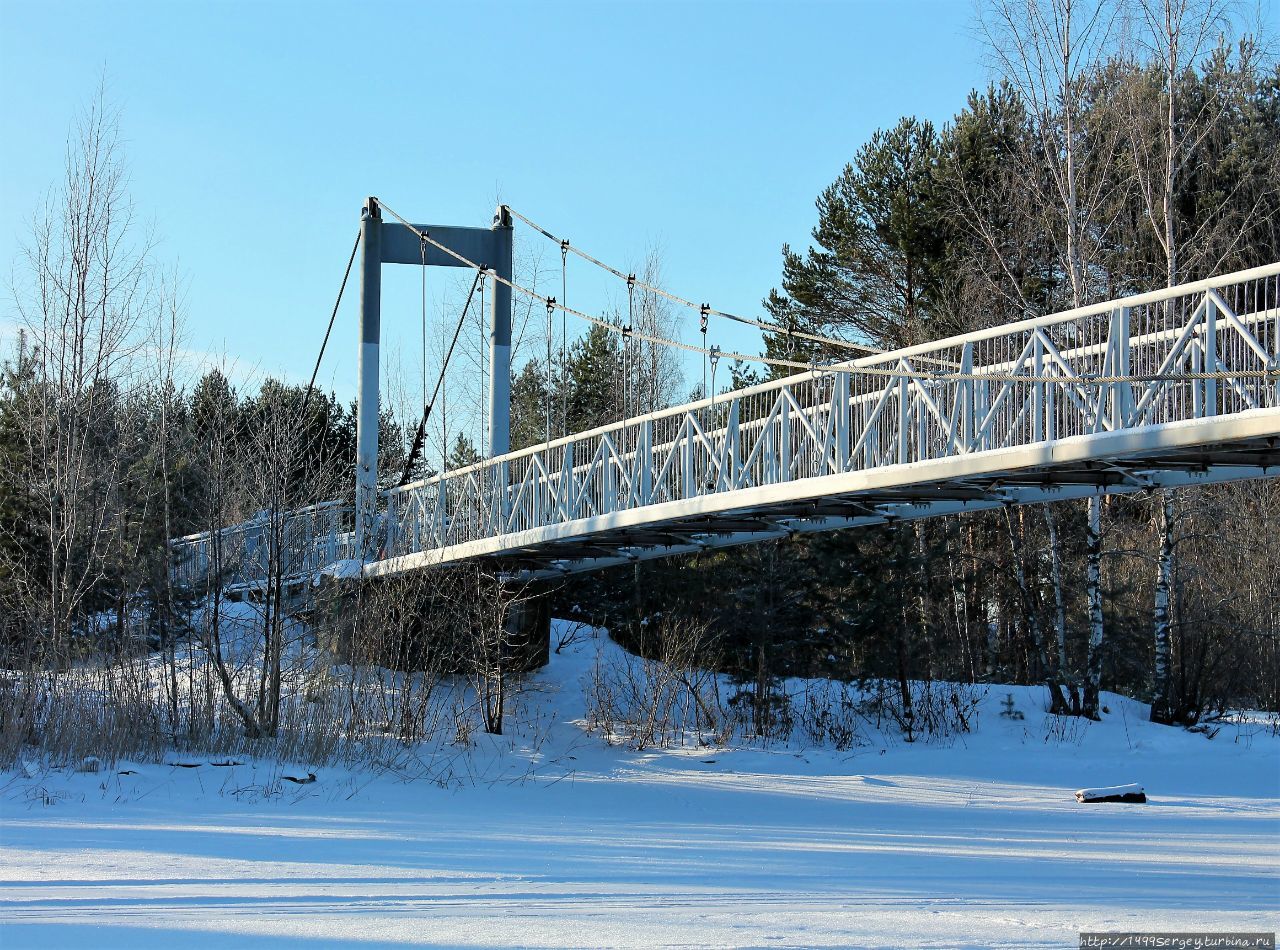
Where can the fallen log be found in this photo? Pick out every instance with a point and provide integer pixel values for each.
(1127, 794)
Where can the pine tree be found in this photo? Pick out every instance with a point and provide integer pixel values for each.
(591, 379)
(463, 454)
(873, 272)
(19, 514)
(529, 403)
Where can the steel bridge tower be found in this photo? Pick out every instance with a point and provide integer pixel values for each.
(393, 242)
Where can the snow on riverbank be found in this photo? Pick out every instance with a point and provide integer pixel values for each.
(564, 841)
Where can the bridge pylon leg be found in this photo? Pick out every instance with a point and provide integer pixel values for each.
(500, 337)
(367, 411)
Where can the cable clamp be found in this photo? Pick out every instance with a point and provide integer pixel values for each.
(631, 281)
(714, 354)
(551, 305)
(703, 313)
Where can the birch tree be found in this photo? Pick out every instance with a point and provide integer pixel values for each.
(82, 298)
(1164, 128)
(1050, 50)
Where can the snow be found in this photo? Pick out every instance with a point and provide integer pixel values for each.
(344, 568)
(559, 840)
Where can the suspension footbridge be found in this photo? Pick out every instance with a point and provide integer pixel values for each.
(1179, 386)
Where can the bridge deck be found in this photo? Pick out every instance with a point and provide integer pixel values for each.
(1175, 387)
(1197, 452)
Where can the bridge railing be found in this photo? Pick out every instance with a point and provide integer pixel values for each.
(1194, 351)
(287, 545)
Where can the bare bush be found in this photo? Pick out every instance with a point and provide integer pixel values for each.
(1065, 730)
(830, 715)
(659, 700)
(938, 711)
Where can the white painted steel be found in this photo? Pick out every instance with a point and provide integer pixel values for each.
(820, 434)
(1134, 379)
(308, 540)
(958, 469)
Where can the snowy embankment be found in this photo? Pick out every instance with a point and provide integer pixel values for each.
(557, 839)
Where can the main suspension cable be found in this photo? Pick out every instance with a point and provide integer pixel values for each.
(600, 321)
(701, 308)
(937, 376)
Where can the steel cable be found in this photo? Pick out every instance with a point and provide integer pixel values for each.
(332, 317)
(923, 376)
(702, 308)
(421, 435)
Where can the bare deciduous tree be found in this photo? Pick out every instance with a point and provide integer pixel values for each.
(81, 305)
(1051, 50)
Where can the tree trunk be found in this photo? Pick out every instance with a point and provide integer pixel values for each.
(213, 643)
(1057, 697)
(1160, 701)
(904, 685)
(764, 624)
(924, 600)
(1059, 598)
(1093, 563)
(992, 616)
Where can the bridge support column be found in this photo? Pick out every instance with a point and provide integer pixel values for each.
(500, 337)
(367, 396)
(528, 627)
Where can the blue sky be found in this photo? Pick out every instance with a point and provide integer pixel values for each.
(255, 129)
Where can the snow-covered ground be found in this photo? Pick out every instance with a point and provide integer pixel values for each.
(563, 841)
